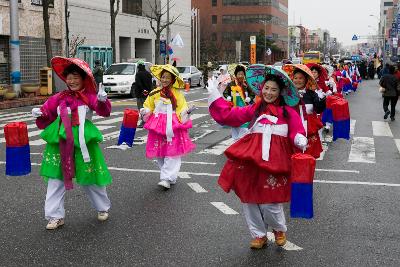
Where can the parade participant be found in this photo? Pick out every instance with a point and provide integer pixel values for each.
(167, 119)
(240, 95)
(309, 106)
(258, 165)
(72, 149)
(345, 79)
(321, 77)
(223, 79)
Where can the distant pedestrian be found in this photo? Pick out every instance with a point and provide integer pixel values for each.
(390, 94)
(98, 72)
(174, 63)
(143, 85)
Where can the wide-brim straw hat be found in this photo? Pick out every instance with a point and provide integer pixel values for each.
(290, 69)
(156, 70)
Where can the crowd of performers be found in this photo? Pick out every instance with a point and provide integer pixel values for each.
(273, 114)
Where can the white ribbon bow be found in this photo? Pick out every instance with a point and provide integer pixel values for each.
(266, 134)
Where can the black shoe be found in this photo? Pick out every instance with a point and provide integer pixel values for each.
(387, 113)
(392, 119)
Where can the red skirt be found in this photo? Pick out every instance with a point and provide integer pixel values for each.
(314, 146)
(253, 179)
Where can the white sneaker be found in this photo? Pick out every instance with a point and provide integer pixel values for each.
(102, 216)
(54, 224)
(172, 182)
(164, 184)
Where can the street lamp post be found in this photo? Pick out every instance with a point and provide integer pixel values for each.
(265, 40)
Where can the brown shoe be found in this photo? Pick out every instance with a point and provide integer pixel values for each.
(280, 238)
(259, 242)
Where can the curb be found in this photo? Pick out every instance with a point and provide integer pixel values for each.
(22, 102)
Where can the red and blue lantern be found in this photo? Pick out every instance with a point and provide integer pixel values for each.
(341, 119)
(327, 115)
(18, 159)
(302, 177)
(128, 127)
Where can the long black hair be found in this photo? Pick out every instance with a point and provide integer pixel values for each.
(262, 104)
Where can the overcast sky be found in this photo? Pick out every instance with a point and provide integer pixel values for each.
(343, 18)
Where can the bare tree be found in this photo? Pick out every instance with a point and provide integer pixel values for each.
(74, 42)
(47, 38)
(154, 16)
(113, 14)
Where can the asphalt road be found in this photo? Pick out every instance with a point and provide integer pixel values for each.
(356, 196)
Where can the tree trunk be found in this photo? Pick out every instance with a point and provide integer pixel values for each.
(157, 49)
(112, 14)
(47, 38)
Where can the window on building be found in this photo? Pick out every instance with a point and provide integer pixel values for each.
(214, 19)
(40, 3)
(19, 1)
(274, 3)
(133, 7)
(384, 12)
(214, 37)
(214, 2)
(388, 3)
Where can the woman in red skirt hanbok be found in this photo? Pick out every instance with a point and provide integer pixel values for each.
(259, 164)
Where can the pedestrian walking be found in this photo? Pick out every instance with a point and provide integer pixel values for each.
(310, 105)
(239, 94)
(390, 93)
(259, 164)
(143, 85)
(98, 72)
(72, 149)
(167, 119)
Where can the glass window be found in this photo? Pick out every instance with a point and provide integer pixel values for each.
(183, 69)
(214, 19)
(133, 7)
(214, 2)
(40, 2)
(213, 36)
(120, 69)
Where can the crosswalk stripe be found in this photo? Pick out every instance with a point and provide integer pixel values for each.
(221, 206)
(197, 188)
(219, 148)
(110, 121)
(381, 128)
(397, 141)
(352, 126)
(362, 150)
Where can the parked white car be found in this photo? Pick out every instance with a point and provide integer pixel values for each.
(119, 78)
(190, 74)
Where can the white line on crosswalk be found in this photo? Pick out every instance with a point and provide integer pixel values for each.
(199, 163)
(288, 246)
(195, 116)
(110, 121)
(381, 128)
(356, 183)
(219, 148)
(207, 132)
(352, 126)
(336, 170)
(197, 188)
(397, 141)
(362, 150)
(221, 206)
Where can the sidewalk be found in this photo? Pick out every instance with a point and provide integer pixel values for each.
(21, 102)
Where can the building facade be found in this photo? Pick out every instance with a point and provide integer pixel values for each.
(31, 31)
(224, 22)
(134, 36)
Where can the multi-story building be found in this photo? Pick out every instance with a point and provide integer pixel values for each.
(294, 41)
(223, 22)
(134, 36)
(31, 31)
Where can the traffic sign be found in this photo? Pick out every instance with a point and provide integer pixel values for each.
(355, 38)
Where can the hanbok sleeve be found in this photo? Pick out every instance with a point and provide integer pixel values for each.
(224, 113)
(101, 108)
(181, 106)
(296, 128)
(49, 111)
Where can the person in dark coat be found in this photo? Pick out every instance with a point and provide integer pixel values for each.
(143, 85)
(390, 95)
(98, 72)
(363, 70)
(371, 70)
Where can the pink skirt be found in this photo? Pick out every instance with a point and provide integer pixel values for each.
(157, 145)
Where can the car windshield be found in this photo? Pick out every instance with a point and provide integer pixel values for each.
(121, 69)
(183, 69)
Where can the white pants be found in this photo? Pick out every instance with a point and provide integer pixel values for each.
(169, 168)
(260, 216)
(54, 205)
(238, 132)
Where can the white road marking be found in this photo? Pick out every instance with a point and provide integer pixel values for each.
(38, 142)
(362, 150)
(16, 118)
(397, 141)
(224, 208)
(102, 127)
(197, 100)
(322, 155)
(140, 140)
(96, 117)
(32, 153)
(356, 183)
(110, 121)
(195, 116)
(183, 175)
(381, 128)
(219, 148)
(352, 126)
(199, 163)
(336, 170)
(288, 246)
(197, 188)
(207, 132)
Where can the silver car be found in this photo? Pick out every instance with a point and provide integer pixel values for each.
(190, 74)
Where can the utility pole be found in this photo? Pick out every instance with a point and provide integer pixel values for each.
(66, 29)
(14, 47)
(168, 31)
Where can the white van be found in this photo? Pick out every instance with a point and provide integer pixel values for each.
(119, 78)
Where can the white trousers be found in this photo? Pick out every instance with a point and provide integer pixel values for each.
(260, 216)
(54, 205)
(238, 132)
(169, 168)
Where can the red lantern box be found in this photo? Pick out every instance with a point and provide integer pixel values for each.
(16, 134)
